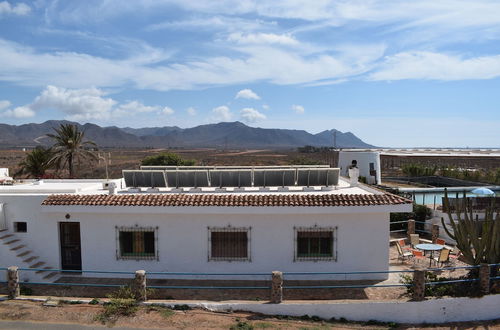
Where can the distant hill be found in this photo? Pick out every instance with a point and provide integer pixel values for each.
(230, 134)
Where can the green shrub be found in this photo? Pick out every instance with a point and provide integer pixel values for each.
(167, 159)
(25, 291)
(458, 289)
(241, 325)
(122, 303)
(305, 161)
(115, 308)
(94, 301)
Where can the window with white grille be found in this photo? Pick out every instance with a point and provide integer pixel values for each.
(229, 243)
(315, 243)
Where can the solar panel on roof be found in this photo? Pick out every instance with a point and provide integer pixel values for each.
(231, 178)
(181, 179)
(273, 178)
(147, 179)
(318, 177)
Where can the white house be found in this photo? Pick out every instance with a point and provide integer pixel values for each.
(76, 224)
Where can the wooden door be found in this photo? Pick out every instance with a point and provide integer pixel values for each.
(71, 257)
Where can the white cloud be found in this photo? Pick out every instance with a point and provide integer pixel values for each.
(191, 111)
(77, 104)
(217, 22)
(83, 104)
(251, 115)
(247, 94)
(19, 112)
(222, 113)
(437, 66)
(298, 109)
(136, 106)
(19, 9)
(167, 111)
(4, 104)
(265, 107)
(256, 63)
(263, 38)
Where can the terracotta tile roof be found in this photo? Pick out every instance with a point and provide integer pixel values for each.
(228, 200)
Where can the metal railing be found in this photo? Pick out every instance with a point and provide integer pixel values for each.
(258, 287)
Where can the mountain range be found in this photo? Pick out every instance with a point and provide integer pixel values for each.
(224, 134)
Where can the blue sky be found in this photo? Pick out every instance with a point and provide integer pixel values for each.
(395, 73)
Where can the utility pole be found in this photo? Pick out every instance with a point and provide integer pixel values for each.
(105, 162)
(335, 153)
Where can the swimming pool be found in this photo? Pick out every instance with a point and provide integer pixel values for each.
(435, 195)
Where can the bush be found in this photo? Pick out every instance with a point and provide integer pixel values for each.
(167, 159)
(459, 289)
(122, 303)
(419, 213)
(305, 161)
(115, 308)
(94, 301)
(418, 170)
(241, 326)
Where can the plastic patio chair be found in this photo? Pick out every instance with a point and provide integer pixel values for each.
(418, 255)
(444, 257)
(440, 241)
(455, 256)
(402, 244)
(403, 254)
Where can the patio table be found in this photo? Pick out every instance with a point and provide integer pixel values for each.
(429, 247)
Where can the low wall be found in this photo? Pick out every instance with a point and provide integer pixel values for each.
(428, 311)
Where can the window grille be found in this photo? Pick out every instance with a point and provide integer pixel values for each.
(315, 243)
(137, 243)
(229, 243)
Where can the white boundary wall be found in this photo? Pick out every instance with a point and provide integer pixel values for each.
(428, 311)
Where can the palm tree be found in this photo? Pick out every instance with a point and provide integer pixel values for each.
(70, 147)
(36, 162)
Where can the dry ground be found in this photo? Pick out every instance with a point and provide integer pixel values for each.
(147, 317)
(122, 159)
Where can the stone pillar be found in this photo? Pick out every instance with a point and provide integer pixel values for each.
(140, 285)
(13, 282)
(484, 278)
(435, 233)
(411, 228)
(277, 287)
(419, 285)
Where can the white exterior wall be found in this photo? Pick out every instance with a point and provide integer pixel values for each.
(362, 237)
(40, 238)
(183, 242)
(364, 158)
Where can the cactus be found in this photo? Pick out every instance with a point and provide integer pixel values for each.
(477, 246)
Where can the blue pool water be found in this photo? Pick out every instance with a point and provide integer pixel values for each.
(431, 197)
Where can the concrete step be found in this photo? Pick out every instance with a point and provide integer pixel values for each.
(12, 241)
(30, 259)
(50, 275)
(38, 264)
(2, 230)
(24, 253)
(15, 248)
(6, 236)
(43, 271)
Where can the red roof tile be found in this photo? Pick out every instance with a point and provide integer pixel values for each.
(226, 200)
